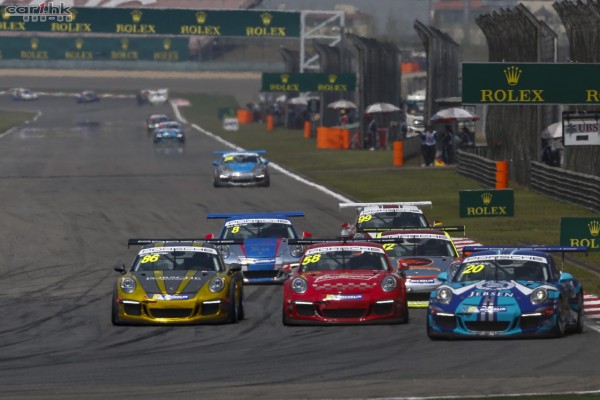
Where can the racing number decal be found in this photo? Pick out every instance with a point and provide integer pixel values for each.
(228, 158)
(150, 258)
(235, 229)
(389, 246)
(311, 259)
(473, 269)
(364, 218)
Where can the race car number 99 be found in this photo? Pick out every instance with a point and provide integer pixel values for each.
(364, 218)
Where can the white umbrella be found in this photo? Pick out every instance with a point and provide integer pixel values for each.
(454, 114)
(381, 108)
(341, 104)
(553, 131)
(298, 101)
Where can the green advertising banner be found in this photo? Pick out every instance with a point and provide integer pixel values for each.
(530, 83)
(308, 82)
(486, 203)
(156, 21)
(580, 232)
(95, 48)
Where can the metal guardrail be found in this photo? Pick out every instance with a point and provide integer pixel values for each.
(561, 184)
(476, 167)
(558, 183)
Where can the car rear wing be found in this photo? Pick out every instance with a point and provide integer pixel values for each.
(457, 228)
(143, 242)
(288, 214)
(221, 152)
(545, 249)
(468, 250)
(305, 242)
(383, 204)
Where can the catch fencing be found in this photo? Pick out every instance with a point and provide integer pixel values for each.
(513, 132)
(582, 25)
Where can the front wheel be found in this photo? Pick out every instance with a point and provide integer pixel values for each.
(561, 322)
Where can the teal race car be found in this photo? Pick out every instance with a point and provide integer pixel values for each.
(499, 292)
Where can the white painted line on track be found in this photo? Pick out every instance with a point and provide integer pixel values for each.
(14, 128)
(273, 165)
(487, 396)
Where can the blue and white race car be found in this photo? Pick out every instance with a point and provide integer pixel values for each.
(168, 135)
(241, 168)
(506, 292)
(265, 255)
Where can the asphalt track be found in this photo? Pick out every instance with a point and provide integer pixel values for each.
(82, 179)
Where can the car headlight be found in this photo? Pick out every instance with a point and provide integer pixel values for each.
(388, 284)
(179, 135)
(296, 251)
(216, 285)
(224, 251)
(128, 285)
(299, 285)
(444, 295)
(539, 296)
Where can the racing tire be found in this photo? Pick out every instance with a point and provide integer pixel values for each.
(430, 333)
(216, 184)
(578, 327)
(116, 321)
(405, 314)
(241, 307)
(285, 320)
(234, 309)
(266, 183)
(559, 329)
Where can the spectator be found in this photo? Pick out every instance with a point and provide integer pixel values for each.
(371, 133)
(428, 145)
(468, 138)
(550, 154)
(445, 144)
(344, 119)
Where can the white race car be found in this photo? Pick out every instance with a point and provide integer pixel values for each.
(23, 94)
(153, 97)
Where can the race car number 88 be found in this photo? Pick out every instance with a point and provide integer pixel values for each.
(473, 269)
(311, 259)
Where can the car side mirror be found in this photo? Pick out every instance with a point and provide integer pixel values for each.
(565, 277)
(402, 266)
(438, 223)
(443, 277)
(215, 163)
(306, 235)
(266, 161)
(120, 268)
(235, 267)
(209, 236)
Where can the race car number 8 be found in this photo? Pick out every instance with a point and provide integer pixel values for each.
(364, 218)
(311, 259)
(235, 229)
(473, 268)
(150, 258)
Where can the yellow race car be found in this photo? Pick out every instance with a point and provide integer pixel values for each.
(178, 282)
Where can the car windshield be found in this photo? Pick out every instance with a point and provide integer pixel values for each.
(177, 260)
(343, 260)
(501, 270)
(259, 230)
(240, 158)
(411, 246)
(391, 220)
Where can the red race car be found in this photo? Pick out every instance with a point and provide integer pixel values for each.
(345, 282)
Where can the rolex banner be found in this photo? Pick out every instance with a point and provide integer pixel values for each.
(150, 21)
(308, 82)
(486, 203)
(530, 83)
(580, 232)
(94, 48)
